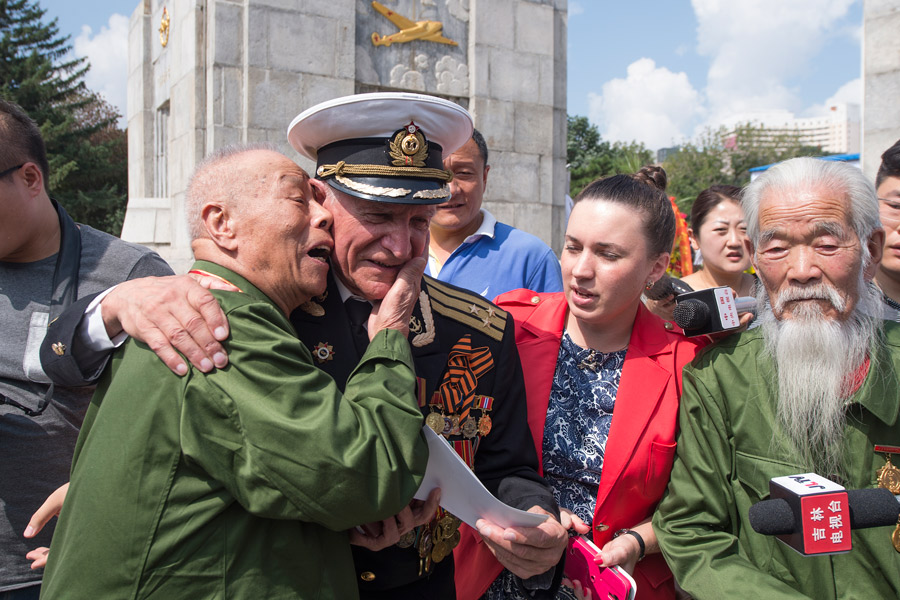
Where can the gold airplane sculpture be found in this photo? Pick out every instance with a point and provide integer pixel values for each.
(427, 31)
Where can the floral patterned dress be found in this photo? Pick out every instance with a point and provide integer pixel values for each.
(579, 415)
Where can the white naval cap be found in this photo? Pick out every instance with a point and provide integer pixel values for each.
(386, 146)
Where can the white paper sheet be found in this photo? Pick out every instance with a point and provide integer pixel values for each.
(461, 492)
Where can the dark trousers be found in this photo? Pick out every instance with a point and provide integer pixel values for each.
(26, 593)
(437, 586)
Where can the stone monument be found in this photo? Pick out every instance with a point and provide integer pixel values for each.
(207, 73)
(881, 77)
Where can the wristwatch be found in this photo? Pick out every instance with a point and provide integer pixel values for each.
(636, 535)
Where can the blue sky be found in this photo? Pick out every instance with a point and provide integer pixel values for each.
(656, 71)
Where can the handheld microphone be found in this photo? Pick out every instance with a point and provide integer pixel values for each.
(814, 516)
(710, 310)
(667, 286)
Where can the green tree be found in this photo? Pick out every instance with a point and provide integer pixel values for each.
(590, 157)
(695, 167)
(86, 151)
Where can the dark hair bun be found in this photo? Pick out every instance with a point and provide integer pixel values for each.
(653, 176)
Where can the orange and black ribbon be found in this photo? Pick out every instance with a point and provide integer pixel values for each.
(465, 366)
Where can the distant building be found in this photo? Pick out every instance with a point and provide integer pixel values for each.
(836, 132)
(664, 153)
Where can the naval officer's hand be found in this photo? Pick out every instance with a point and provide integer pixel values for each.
(526, 551)
(381, 534)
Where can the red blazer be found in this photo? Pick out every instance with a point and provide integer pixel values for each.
(641, 444)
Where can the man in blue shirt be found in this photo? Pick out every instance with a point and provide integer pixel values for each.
(471, 249)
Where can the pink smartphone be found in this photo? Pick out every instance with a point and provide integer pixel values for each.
(606, 583)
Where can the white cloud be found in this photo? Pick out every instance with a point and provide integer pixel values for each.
(757, 46)
(850, 93)
(651, 105)
(575, 8)
(107, 51)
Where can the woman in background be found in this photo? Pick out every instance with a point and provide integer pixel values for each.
(718, 234)
(603, 413)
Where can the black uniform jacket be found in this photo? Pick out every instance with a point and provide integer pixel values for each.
(504, 459)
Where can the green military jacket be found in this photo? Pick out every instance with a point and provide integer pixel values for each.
(240, 483)
(728, 449)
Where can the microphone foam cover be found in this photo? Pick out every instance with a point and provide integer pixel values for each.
(872, 508)
(772, 517)
(691, 314)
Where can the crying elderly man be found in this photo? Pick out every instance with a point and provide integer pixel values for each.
(243, 482)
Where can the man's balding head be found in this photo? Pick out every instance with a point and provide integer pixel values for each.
(253, 210)
(224, 178)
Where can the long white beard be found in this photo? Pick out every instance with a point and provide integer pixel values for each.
(815, 360)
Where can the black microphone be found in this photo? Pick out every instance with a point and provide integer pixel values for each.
(710, 310)
(873, 507)
(667, 286)
(814, 516)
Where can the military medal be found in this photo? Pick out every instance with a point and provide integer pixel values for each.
(450, 526)
(445, 535)
(895, 537)
(889, 479)
(323, 352)
(889, 475)
(407, 539)
(436, 422)
(426, 545)
(454, 539)
(485, 403)
(454, 425)
(441, 551)
(469, 428)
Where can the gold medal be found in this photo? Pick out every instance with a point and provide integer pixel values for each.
(889, 477)
(469, 428)
(895, 537)
(447, 524)
(484, 425)
(454, 539)
(451, 530)
(436, 422)
(441, 551)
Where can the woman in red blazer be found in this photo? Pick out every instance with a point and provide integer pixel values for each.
(603, 379)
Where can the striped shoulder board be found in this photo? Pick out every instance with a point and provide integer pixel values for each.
(466, 307)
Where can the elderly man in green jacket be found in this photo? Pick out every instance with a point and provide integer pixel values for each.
(813, 389)
(243, 482)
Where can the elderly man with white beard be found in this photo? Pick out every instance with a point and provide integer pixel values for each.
(813, 389)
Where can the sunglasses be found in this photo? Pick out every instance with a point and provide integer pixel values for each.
(11, 170)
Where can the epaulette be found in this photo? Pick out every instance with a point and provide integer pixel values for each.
(467, 308)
